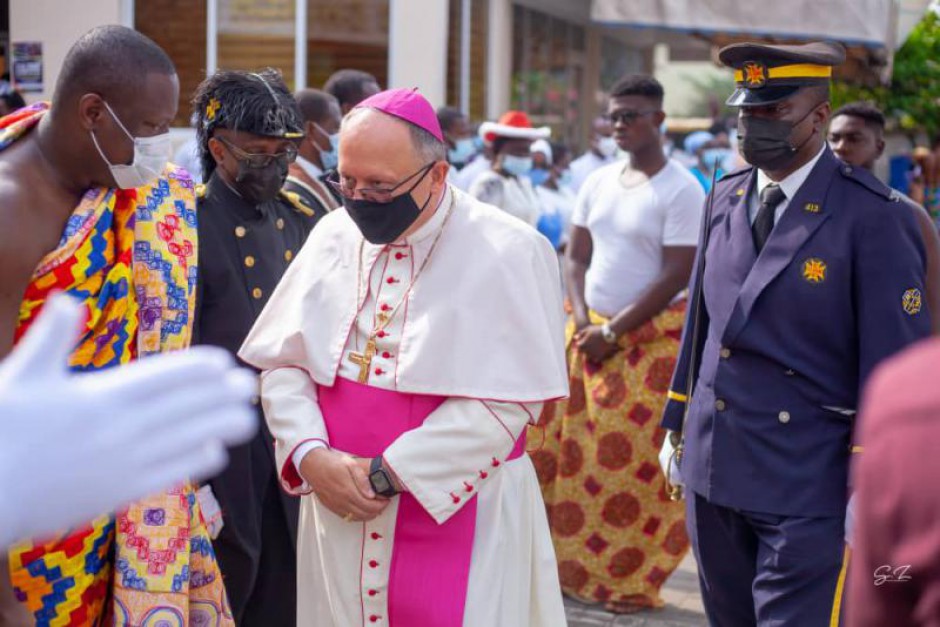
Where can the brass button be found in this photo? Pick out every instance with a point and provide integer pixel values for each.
(784, 417)
(240, 231)
(288, 255)
(249, 261)
(725, 353)
(280, 223)
(256, 293)
(720, 405)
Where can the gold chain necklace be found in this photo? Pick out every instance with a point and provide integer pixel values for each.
(364, 359)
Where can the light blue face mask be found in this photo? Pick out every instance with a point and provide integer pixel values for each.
(330, 158)
(715, 157)
(517, 166)
(463, 150)
(565, 179)
(538, 176)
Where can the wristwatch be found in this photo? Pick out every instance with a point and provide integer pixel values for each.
(608, 334)
(380, 480)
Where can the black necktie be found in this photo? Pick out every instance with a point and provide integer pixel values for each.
(770, 197)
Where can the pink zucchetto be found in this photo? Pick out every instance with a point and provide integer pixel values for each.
(407, 105)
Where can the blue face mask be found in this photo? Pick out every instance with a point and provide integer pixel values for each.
(330, 158)
(715, 157)
(517, 166)
(462, 152)
(565, 178)
(538, 176)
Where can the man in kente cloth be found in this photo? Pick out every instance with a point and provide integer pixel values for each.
(91, 208)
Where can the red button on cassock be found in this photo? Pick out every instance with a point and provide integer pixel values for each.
(374, 618)
(372, 593)
(373, 564)
(375, 536)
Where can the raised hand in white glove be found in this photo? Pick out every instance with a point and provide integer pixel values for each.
(667, 461)
(850, 521)
(108, 438)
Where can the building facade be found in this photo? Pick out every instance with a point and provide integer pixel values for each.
(484, 56)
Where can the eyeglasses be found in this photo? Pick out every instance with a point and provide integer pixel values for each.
(346, 187)
(626, 116)
(260, 160)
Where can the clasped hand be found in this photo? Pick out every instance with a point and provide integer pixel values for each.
(590, 341)
(341, 483)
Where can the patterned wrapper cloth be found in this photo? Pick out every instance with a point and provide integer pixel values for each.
(130, 256)
(617, 535)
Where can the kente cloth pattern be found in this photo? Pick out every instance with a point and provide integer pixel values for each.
(617, 535)
(130, 257)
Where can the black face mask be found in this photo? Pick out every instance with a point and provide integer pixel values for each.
(384, 222)
(260, 185)
(765, 144)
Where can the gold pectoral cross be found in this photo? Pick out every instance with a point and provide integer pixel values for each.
(364, 360)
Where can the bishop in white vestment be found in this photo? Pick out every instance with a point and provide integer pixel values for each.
(405, 351)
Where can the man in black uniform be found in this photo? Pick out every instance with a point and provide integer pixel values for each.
(249, 231)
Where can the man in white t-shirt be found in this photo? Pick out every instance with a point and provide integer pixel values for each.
(603, 150)
(632, 245)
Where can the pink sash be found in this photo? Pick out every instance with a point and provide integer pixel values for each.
(430, 562)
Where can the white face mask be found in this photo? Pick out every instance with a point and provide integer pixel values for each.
(607, 146)
(151, 155)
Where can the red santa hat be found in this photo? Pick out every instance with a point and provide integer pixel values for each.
(514, 125)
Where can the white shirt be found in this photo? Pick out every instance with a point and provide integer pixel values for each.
(465, 177)
(629, 228)
(584, 166)
(513, 194)
(790, 186)
(312, 170)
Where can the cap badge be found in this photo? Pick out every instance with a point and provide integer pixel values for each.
(814, 270)
(755, 74)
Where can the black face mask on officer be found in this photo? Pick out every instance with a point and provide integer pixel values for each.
(260, 176)
(766, 144)
(261, 185)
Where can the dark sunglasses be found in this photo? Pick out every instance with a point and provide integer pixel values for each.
(259, 160)
(626, 116)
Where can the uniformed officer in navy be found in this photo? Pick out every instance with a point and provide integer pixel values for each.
(249, 231)
(811, 277)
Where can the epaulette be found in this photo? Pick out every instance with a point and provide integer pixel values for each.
(297, 202)
(736, 173)
(867, 180)
(200, 190)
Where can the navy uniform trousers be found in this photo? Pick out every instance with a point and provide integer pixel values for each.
(787, 339)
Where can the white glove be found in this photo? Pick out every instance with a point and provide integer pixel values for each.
(850, 521)
(75, 446)
(667, 461)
